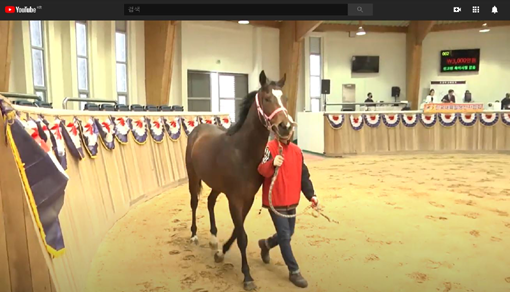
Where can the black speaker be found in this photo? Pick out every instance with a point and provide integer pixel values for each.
(395, 91)
(325, 86)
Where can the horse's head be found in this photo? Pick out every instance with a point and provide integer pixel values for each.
(271, 107)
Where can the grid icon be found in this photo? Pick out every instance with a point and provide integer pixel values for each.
(476, 9)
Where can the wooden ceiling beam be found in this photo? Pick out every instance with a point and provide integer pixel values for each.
(368, 28)
(469, 25)
(303, 28)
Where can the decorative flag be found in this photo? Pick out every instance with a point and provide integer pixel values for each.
(156, 128)
(372, 120)
(139, 129)
(447, 120)
(505, 118)
(428, 120)
(335, 121)
(173, 127)
(207, 121)
(43, 177)
(391, 120)
(106, 129)
(72, 137)
(121, 129)
(467, 119)
(55, 136)
(225, 122)
(356, 122)
(489, 119)
(190, 125)
(410, 120)
(89, 134)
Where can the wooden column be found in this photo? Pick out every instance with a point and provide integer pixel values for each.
(416, 33)
(159, 51)
(5, 54)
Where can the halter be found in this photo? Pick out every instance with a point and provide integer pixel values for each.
(266, 120)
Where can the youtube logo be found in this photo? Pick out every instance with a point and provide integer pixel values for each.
(10, 9)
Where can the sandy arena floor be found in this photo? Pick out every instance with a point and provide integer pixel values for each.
(407, 223)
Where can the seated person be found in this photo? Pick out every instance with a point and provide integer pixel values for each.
(467, 97)
(449, 98)
(430, 97)
(369, 99)
(505, 102)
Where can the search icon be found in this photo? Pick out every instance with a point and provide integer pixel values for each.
(360, 9)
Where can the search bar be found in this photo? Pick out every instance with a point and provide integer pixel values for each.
(239, 10)
(361, 9)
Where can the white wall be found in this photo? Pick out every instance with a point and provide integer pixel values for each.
(238, 48)
(338, 51)
(61, 62)
(491, 82)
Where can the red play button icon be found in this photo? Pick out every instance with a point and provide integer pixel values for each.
(10, 9)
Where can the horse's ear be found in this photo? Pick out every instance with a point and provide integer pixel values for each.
(262, 79)
(281, 83)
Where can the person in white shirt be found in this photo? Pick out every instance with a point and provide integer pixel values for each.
(430, 97)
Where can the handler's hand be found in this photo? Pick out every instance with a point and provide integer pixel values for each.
(315, 201)
(278, 160)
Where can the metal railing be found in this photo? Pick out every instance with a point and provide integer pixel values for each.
(86, 100)
(21, 95)
(367, 104)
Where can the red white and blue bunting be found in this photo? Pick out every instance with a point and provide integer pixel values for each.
(391, 120)
(121, 129)
(505, 118)
(209, 121)
(44, 132)
(410, 120)
(138, 127)
(156, 128)
(173, 127)
(71, 136)
(335, 121)
(106, 129)
(190, 125)
(59, 145)
(428, 120)
(489, 119)
(90, 135)
(467, 120)
(356, 122)
(225, 122)
(447, 120)
(372, 120)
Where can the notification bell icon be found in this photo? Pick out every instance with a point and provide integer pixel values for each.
(494, 9)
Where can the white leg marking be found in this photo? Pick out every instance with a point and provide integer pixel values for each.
(220, 253)
(214, 240)
(194, 238)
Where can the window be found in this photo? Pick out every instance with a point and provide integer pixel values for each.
(315, 74)
(121, 59)
(219, 92)
(83, 62)
(38, 60)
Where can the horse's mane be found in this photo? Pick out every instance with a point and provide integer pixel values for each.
(244, 108)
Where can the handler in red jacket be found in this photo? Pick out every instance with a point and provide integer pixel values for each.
(293, 178)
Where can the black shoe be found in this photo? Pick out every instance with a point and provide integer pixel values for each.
(264, 251)
(298, 280)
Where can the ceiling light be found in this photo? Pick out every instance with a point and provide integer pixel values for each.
(485, 28)
(243, 22)
(361, 31)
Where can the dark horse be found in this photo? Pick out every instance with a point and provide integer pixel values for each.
(227, 161)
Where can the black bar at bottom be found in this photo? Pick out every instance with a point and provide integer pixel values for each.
(235, 9)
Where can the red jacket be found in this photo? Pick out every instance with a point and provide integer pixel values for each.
(293, 176)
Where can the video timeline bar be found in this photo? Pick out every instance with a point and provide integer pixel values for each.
(238, 10)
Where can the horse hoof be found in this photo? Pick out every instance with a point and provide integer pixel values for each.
(249, 286)
(194, 240)
(213, 245)
(219, 256)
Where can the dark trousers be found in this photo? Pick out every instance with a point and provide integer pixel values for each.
(284, 231)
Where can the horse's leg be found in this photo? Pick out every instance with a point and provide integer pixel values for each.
(195, 186)
(219, 256)
(211, 202)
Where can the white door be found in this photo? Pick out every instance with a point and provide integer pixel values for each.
(349, 95)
